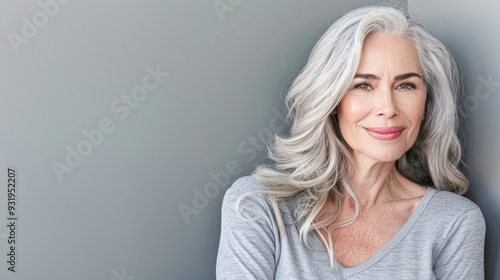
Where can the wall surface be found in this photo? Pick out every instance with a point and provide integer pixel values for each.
(123, 123)
(470, 30)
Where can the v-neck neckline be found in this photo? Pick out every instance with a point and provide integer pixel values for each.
(388, 247)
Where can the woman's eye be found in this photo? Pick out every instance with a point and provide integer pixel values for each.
(406, 86)
(363, 86)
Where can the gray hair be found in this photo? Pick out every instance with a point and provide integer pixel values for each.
(313, 159)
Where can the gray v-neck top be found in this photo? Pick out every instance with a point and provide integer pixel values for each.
(442, 239)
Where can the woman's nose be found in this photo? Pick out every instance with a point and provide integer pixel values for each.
(385, 103)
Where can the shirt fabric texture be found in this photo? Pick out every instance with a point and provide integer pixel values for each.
(442, 239)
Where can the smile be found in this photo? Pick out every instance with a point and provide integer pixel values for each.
(385, 133)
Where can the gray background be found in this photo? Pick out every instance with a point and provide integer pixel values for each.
(117, 213)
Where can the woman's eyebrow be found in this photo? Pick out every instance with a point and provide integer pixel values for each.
(367, 76)
(406, 76)
(398, 77)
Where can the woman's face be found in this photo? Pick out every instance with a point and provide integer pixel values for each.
(380, 115)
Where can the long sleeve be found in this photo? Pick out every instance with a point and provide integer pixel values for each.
(462, 254)
(247, 249)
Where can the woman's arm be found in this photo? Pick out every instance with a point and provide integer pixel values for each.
(462, 254)
(247, 249)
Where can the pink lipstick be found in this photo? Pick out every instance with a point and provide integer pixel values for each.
(385, 133)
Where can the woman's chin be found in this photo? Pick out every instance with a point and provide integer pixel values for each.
(392, 157)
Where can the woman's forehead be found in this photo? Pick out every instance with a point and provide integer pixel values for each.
(388, 53)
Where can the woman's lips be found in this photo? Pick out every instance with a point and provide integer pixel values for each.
(385, 133)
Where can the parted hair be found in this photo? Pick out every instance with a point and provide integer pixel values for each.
(313, 159)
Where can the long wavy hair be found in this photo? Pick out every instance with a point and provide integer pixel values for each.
(313, 159)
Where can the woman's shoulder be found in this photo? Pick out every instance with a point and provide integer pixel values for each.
(246, 185)
(246, 191)
(455, 228)
(249, 239)
(446, 207)
(447, 201)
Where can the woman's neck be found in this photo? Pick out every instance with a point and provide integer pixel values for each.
(375, 182)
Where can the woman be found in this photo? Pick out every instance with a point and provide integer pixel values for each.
(366, 186)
